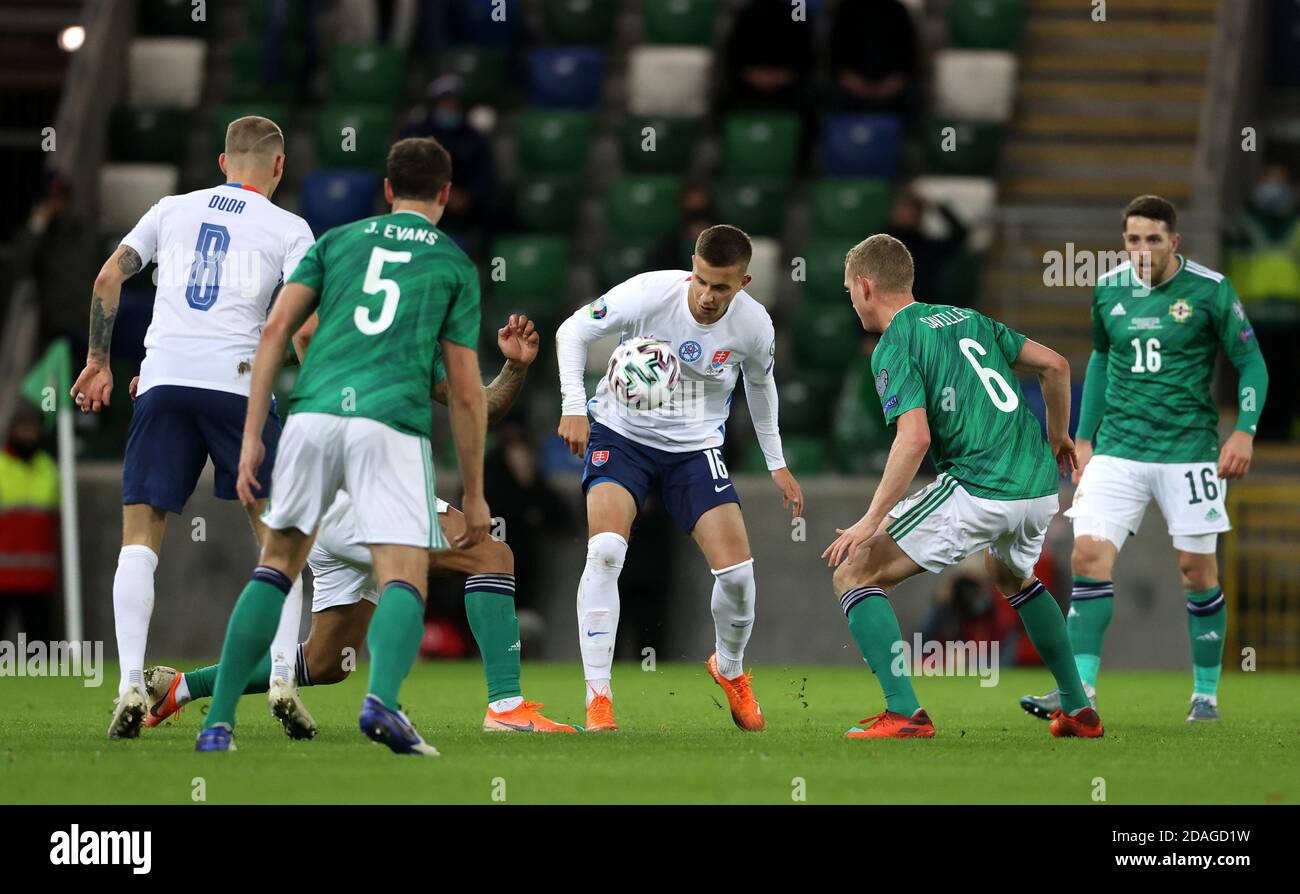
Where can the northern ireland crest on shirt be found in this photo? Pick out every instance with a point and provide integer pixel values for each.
(1180, 310)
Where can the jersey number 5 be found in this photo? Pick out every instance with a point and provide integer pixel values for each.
(1003, 397)
(374, 284)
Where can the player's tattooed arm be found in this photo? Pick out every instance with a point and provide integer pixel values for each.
(504, 390)
(94, 386)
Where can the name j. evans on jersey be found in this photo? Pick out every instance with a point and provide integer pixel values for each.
(403, 233)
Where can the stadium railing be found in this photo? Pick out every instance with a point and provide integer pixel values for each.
(1261, 574)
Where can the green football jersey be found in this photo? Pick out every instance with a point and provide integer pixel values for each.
(389, 289)
(955, 364)
(1161, 345)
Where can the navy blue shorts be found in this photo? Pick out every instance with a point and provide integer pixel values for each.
(174, 429)
(690, 484)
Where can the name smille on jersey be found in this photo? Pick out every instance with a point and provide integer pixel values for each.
(404, 234)
(945, 318)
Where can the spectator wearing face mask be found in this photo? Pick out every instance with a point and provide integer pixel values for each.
(930, 249)
(473, 185)
(1262, 258)
(29, 529)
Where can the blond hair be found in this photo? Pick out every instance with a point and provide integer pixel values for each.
(883, 260)
(254, 135)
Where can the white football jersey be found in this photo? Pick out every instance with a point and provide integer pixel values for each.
(655, 305)
(221, 254)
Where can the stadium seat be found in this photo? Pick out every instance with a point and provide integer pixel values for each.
(957, 280)
(972, 199)
(168, 18)
(672, 146)
(804, 454)
(223, 115)
(127, 191)
(827, 338)
(566, 77)
(849, 208)
(487, 22)
(861, 438)
(363, 147)
(333, 198)
(620, 259)
(680, 22)
(862, 145)
(527, 273)
(643, 206)
(756, 205)
(970, 148)
(765, 268)
(548, 203)
(974, 85)
(757, 144)
(246, 68)
(149, 135)
(165, 72)
(589, 22)
(824, 270)
(261, 11)
(482, 72)
(806, 403)
(985, 24)
(669, 81)
(552, 141)
(367, 74)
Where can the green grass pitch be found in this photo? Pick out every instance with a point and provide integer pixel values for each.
(677, 744)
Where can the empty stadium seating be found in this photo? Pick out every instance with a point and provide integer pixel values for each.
(861, 145)
(332, 198)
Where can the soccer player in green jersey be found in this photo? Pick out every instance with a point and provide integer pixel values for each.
(389, 291)
(1148, 429)
(946, 377)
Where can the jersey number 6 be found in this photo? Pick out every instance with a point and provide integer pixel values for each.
(1006, 401)
(374, 284)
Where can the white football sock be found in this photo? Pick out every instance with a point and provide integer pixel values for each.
(284, 648)
(733, 615)
(182, 694)
(598, 609)
(502, 705)
(132, 609)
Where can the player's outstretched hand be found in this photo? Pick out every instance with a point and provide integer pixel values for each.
(846, 545)
(519, 340)
(791, 492)
(251, 455)
(478, 519)
(133, 387)
(1082, 456)
(574, 431)
(93, 387)
(1234, 458)
(1067, 460)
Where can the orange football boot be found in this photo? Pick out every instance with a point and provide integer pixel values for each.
(892, 725)
(525, 718)
(160, 686)
(745, 709)
(1083, 724)
(600, 715)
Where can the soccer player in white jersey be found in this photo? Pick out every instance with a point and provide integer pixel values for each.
(718, 331)
(222, 252)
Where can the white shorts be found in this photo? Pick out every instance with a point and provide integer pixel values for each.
(388, 473)
(1114, 493)
(341, 566)
(943, 524)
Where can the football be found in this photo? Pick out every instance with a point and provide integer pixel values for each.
(643, 373)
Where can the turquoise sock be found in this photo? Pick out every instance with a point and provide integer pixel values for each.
(1207, 626)
(875, 629)
(394, 640)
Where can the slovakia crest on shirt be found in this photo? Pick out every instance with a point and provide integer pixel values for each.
(690, 351)
(719, 358)
(599, 457)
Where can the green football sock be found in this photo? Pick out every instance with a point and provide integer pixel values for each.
(875, 629)
(248, 639)
(394, 640)
(1207, 624)
(1091, 605)
(490, 605)
(201, 681)
(1046, 628)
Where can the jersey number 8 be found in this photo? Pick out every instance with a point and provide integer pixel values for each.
(374, 284)
(1003, 398)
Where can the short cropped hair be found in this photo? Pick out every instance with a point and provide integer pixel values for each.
(883, 260)
(254, 135)
(1153, 208)
(418, 168)
(724, 246)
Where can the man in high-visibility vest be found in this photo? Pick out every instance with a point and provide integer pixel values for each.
(29, 529)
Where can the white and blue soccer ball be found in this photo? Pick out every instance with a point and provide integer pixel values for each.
(643, 373)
